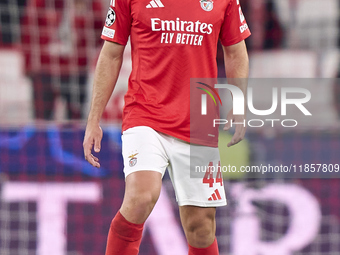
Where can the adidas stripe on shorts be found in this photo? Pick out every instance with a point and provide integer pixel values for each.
(146, 149)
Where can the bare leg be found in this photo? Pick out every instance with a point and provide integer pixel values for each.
(141, 194)
(199, 225)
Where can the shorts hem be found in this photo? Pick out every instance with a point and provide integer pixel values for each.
(203, 204)
(143, 169)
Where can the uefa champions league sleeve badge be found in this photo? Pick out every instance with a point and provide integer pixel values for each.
(207, 5)
(110, 17)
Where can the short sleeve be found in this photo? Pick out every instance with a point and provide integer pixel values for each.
(234, 28)
(118, 22)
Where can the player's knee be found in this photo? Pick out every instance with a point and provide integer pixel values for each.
(137, 207)
(141, 194)
(141, 201)
(145, 199)
(200, 231)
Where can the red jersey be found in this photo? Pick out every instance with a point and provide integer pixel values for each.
(171, 42)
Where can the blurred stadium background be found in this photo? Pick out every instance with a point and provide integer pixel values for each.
(52, 202)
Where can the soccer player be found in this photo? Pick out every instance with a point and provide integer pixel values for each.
(171, 41)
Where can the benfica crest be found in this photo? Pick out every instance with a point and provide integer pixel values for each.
(133, 160)
(207, 5)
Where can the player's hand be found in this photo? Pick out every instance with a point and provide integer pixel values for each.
(92, 140)
(240, 129)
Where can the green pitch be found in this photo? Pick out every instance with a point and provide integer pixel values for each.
(237, 155)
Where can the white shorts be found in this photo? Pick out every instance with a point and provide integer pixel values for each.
(146, 149)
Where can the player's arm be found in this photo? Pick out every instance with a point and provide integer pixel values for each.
(106, 75)
(237, 70)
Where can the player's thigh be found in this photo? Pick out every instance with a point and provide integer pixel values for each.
(145, 162)
(142, 190)
(143, 186)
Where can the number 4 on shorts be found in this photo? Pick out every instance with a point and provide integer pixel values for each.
(209, 175)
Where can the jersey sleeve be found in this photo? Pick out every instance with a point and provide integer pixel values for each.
(234, 28)
(118, 22)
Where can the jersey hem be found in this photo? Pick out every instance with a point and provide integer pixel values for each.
(174, 134)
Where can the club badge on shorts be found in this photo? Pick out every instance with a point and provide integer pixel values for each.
(133, 160)
(207, 5)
